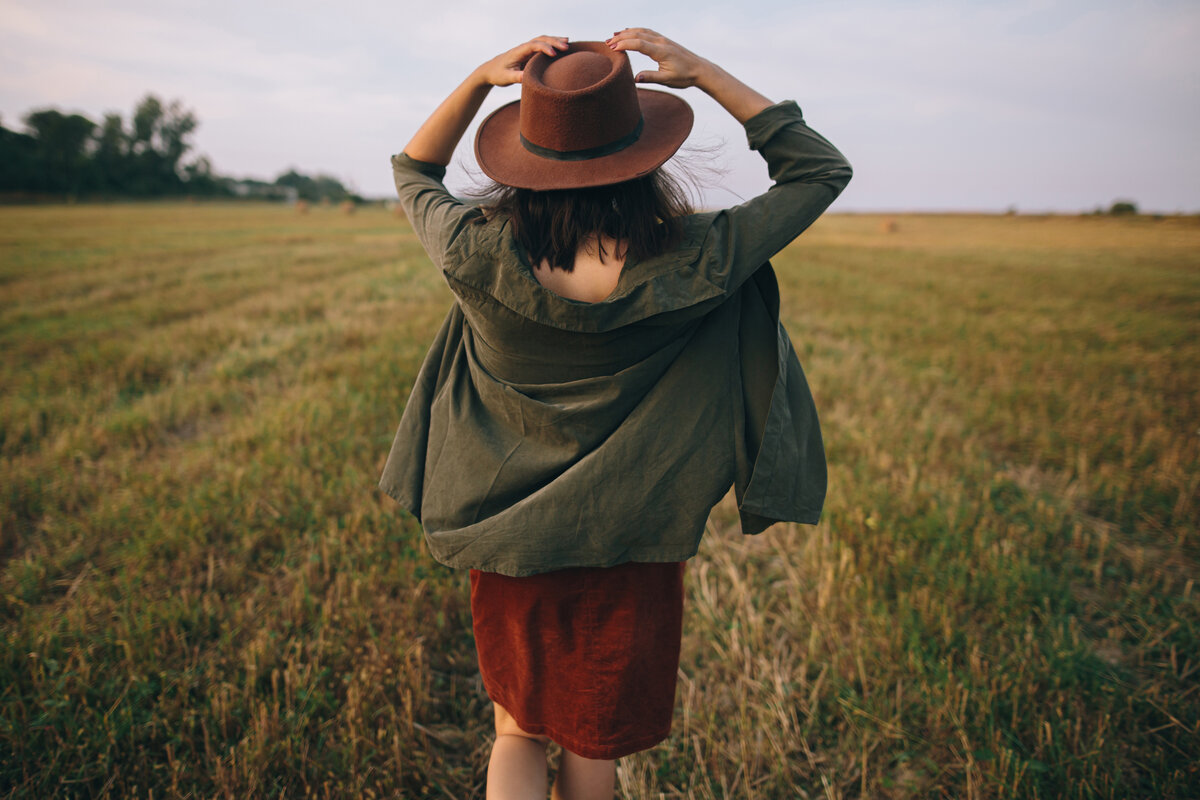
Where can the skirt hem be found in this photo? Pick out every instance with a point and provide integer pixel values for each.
(606, 752)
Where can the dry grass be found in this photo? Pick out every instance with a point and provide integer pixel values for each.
(202, 594)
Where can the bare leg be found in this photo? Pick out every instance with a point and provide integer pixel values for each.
(582, 778)
(517, 768)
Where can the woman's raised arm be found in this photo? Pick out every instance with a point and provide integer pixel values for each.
(680, 68)
(808, 171)
(435, 141)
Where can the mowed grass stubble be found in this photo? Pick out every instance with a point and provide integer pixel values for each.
(203, 594)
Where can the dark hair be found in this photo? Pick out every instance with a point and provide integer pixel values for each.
(643, 214)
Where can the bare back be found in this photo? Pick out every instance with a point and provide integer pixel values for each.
(592, 280)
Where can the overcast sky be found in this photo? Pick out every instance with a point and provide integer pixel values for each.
(1037, 104)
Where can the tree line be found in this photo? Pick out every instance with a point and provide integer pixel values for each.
(69, 155)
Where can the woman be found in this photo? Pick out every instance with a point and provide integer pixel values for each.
(613, 364)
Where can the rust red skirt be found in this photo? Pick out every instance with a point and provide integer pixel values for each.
(586, 656)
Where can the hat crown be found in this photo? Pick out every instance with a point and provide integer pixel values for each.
(581, 99)
(581, 121)
(573, 71)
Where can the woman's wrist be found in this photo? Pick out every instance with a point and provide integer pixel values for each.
(479, 80)
(707, 76)
(734, 96)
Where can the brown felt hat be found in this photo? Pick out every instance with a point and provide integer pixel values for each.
(581, 121)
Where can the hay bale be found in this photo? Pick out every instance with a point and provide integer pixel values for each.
(888, 226)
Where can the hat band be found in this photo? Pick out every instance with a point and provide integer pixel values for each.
(588, 152)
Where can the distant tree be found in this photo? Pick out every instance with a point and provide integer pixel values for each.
(314, 189)
(175, 126)
(110, 160)
(157, 146)
(18, 161)
(1122, 208)
(69, 154)
(61, 156)
(200, 178)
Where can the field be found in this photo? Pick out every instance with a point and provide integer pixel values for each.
(202, 593)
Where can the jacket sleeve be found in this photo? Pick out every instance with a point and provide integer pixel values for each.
(808, 172)
(438, 218)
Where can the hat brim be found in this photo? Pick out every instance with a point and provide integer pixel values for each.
(502, 157)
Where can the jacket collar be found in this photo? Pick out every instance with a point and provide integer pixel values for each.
(492, 262)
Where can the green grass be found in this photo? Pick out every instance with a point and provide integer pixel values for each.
(202, 594)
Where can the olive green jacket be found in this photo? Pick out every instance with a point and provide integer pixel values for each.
(544, 432)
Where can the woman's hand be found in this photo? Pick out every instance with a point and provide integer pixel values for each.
(507, 68)
(435, 141)
(678, 67)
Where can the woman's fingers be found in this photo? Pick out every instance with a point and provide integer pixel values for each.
(652, 76)
(678, 67)
(649, 43)
(508, 68)
(641, 40)
(550, 45)
(641, 33)
(651, 49)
